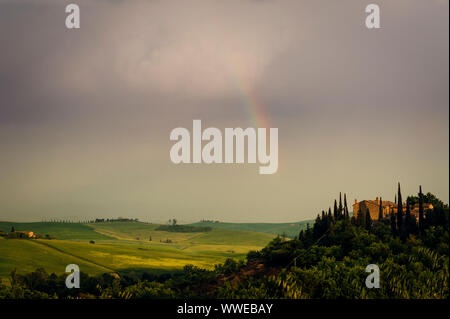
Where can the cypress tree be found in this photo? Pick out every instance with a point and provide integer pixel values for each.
(393, 225)
(346, 215)
(316, 227)
(327, 222)
(421, 219)
(335, 210)
(408, 219)
(308, 235)
(329, 219)
(380, 210)
(340, 205)
(428, 220)
(331, 229)
(399, 209)
(301, 236)
(412, 225)
(368, 221)
(361, 218)
(347, 220)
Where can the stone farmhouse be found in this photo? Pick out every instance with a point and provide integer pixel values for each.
(388, 207)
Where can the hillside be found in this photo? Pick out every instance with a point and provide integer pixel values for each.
(67, 231)
(138, 231)
(290, 229)
(122, 247)
(29, 255)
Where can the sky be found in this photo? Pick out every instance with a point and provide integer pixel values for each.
(86, 114)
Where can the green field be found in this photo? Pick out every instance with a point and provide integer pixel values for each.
(289, 229)
(122, 247)
(58, 230)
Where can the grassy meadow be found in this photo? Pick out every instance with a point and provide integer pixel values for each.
(289, 229)
(69, 231)
(122, 247)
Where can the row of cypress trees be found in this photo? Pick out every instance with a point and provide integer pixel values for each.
(325, 221)
(404, 224)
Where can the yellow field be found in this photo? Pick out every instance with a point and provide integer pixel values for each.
(127, 249)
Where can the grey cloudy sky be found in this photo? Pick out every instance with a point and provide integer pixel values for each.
(85, 115)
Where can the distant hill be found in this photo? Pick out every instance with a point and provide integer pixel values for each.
(142, 232)
(290, 229)
(68, 231)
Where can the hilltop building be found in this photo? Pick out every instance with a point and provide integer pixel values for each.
(388, 207)
(19, 234)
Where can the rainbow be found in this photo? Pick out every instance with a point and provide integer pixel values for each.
(254, 105)
(255, 108)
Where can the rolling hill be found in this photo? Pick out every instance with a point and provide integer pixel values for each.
(69, 231)
(289, 229)
(122, 247)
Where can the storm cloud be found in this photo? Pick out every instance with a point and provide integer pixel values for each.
(85, 115)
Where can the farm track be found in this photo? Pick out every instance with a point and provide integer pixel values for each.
(72, 255)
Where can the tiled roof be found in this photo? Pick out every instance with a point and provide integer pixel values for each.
(375, 202)
(389, 203)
